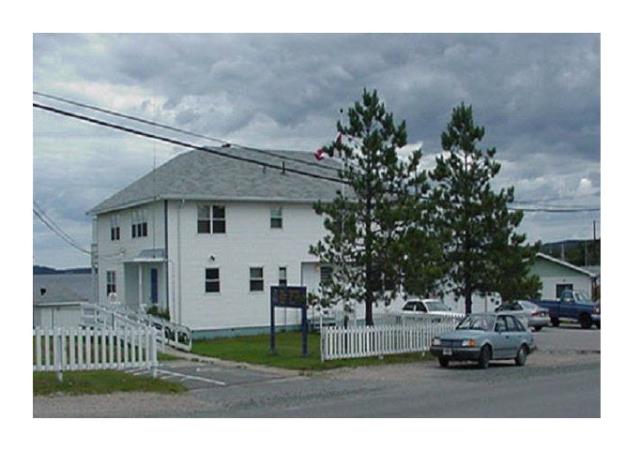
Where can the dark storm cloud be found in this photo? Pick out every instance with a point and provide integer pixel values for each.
(537, 95)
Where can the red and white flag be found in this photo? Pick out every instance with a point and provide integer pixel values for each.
(325, 151)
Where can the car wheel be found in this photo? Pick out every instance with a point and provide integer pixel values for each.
(521, 357)
(538, 328)
(485, 357)
(585, 321)
(555, 321)
(444, 362)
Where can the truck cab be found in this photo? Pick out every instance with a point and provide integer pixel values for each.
(573, 306)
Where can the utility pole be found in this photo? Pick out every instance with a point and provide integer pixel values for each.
(594, 240)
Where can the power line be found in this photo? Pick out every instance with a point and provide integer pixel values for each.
(218, 152)
(185, 144)
(58, 231)
(183, 131)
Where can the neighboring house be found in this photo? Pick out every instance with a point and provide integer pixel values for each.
(205, 237)
(56, 305)
(557, 275)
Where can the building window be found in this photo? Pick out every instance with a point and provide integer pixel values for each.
(560, 288)
(138, 223)
(325, 274)
(115, 227)
(111, 282)
(276, 217)
(211, 219)
(256, 280)
(212, 280)
(282, 276)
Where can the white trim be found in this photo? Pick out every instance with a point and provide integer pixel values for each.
(200, 198)
(565, 264)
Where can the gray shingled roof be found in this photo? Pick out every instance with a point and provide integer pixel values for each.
(197, 175)
(44, 293)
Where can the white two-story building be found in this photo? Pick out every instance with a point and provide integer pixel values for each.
(205, 237)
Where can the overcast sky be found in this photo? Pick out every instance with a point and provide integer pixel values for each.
(537, 95)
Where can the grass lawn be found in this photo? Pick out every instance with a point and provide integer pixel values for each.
(255, 349)
(100, 382)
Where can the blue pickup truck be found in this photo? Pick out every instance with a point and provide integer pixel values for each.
(572, 306)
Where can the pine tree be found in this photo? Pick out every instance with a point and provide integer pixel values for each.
(375, 225)
(482, 248)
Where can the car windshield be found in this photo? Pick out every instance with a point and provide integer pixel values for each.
(437, 306)
(477, 322)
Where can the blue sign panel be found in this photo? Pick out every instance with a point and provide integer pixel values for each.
(289, 297)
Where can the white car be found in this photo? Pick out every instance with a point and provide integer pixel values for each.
(429, 307)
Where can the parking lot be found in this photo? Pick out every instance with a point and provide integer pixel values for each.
(203, 375)
(568, 338)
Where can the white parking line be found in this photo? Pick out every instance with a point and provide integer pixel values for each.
(169, 373)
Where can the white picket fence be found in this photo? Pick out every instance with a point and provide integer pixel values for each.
(380, 340)
(71, 349)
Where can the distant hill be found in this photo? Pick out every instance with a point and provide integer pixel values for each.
(574, 251)
(44, 270)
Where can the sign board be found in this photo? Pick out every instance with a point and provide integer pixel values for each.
(289, 297)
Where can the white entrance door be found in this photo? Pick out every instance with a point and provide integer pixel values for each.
(310, 276)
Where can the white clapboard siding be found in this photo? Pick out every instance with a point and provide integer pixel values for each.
(380, 340)
(70, 349)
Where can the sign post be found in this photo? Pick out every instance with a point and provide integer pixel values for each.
(289, 297)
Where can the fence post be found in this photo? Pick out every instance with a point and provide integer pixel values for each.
(57, 353)
(154, 354)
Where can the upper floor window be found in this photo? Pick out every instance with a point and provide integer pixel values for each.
(276, 217)
(211, 219)
(111, 282)
(212, 280)
(256, 279)
(115, 227)
(138, 223)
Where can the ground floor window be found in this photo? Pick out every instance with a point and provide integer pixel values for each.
(111, 282)
(560, 288)
(325, 274)
(282, 276)
(212, 280)
(256, 279)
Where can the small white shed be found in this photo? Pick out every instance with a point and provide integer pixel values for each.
(557, 275)
(56, 306)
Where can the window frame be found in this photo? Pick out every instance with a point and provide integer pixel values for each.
(139, 228)
(323, 278)
(215, 223)
(111, 282)
(280, 278)
(512, 324)
(212, 280)
(253, 279)
(115, 227)
(278, 218)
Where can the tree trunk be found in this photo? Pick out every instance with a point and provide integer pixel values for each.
(368, 315)
(467, 301)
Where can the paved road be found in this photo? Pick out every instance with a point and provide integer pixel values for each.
(561, 380)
